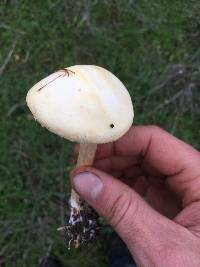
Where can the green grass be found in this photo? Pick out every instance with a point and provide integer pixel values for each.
(152, 46)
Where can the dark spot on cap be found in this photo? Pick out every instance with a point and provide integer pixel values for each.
(112, 125)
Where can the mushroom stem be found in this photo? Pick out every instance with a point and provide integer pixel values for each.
(86, 155)
(82, 223)
(85, 158)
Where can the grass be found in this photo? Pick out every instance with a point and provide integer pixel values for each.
(152, 46)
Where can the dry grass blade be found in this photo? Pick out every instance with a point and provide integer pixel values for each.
(9, 56)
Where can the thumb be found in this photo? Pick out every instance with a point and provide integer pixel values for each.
(140, 226)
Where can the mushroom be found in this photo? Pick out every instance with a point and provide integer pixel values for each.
(89, 105)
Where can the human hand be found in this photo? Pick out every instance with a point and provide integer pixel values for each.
(148, 162)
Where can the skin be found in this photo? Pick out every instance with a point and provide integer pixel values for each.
(149, 163)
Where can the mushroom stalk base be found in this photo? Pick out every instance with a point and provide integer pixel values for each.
(82, 224)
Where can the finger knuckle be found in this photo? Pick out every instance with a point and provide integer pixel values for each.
(119, 209)
(155, 128)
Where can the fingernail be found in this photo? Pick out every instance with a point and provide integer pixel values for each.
(88, 185)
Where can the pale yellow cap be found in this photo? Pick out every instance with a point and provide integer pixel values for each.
(82, 103)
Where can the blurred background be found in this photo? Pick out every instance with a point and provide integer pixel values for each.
(152, 46)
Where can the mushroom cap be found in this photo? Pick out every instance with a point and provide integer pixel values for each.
(82, 103)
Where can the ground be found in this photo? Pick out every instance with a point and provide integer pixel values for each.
(152, 46)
